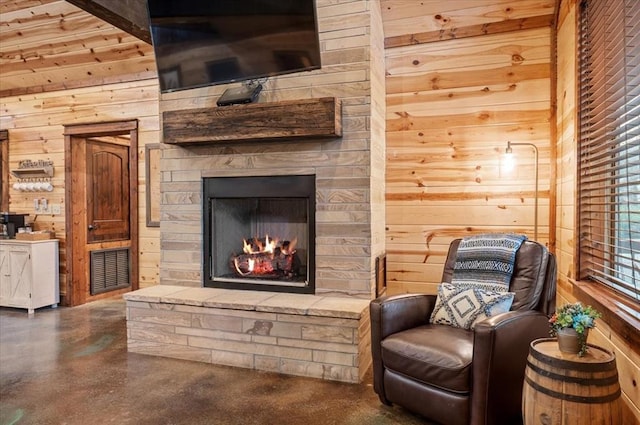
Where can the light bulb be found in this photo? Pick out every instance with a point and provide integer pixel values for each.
(509, 159)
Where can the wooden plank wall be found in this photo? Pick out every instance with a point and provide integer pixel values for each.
(452, 105)
(52, 45)
(87, 71)
(627, 358)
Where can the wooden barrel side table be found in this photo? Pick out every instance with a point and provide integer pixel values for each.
(565, 389)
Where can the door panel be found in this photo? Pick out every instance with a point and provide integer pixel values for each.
(107, 192)
(20, 281)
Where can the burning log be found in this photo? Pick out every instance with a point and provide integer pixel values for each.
(266, 259)
(263, 265)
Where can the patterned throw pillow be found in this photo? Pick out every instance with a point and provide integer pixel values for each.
(487, 260)
(464, 306)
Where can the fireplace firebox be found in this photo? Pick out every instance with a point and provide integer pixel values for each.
(259, 233)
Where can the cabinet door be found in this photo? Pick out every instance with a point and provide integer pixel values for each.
(5, 275)
(20, 281)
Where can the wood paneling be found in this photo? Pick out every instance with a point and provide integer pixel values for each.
(61, 66)
(53, 45)
(128, 15)
(4, 170)
(469, 31)
(36, 135)
(452, 105)
(403, 18)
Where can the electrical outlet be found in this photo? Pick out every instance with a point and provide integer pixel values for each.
(55, 208)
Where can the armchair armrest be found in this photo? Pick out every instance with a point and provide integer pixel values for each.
(501, 347)
(391, 314)
(395, 313)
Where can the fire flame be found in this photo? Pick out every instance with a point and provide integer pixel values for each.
(257, 247)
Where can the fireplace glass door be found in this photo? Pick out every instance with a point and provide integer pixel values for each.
(259, 233)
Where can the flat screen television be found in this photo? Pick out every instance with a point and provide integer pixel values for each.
(206, 42)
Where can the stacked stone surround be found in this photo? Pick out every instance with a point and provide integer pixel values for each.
(325, 335)
(305, 335)
(349, 170)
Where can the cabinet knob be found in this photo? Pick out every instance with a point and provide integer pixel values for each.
(92, 227)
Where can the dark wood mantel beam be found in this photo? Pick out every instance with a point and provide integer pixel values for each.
(128, 15)
(283, 120)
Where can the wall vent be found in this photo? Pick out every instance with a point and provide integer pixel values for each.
(109, 270)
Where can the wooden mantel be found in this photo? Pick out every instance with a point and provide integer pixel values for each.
(289, 119)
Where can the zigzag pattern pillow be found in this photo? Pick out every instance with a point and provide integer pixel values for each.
(486, 260)
(464, 306)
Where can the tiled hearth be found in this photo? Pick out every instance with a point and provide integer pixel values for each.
(296, 334)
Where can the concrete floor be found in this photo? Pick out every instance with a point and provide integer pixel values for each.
(71, 366)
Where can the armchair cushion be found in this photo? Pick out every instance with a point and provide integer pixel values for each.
(436, 355)
(462, 306)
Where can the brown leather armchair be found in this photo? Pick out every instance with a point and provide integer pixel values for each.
(458, 376)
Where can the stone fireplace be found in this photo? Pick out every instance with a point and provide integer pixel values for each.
(328, 125)
(319, 198)
(343, 192)
(259, 233)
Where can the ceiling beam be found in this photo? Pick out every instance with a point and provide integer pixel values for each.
(130, 16)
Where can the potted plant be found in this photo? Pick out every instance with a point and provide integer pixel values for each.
(571, 324)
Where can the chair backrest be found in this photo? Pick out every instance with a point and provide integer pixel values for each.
(534, 276)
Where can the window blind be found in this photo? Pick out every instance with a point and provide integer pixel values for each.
(609, 144)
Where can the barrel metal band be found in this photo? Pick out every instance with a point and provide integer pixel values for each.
(571, 397)
(578, 366)
(598, 382)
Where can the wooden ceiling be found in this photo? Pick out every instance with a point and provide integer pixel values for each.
(48, 45)
(38, 38)
(128, 15)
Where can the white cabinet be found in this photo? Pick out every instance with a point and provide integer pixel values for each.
(29, 275)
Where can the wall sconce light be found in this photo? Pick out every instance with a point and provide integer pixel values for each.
(509, 153)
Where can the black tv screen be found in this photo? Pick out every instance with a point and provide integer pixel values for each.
(205, 42)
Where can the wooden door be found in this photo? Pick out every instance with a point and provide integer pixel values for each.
(101, 210)
(107, 191)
